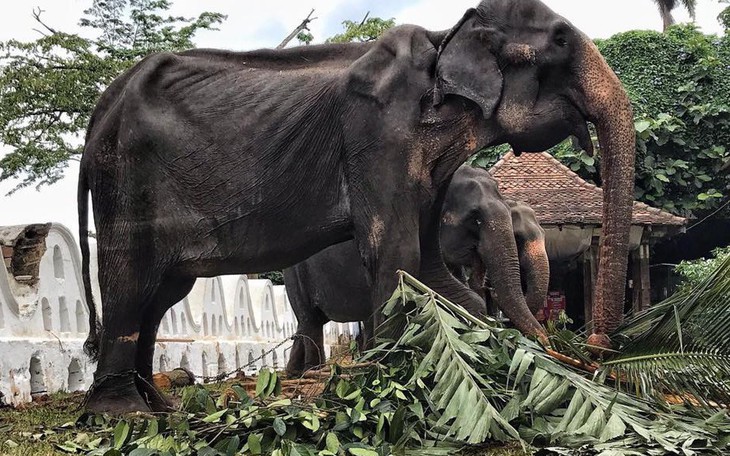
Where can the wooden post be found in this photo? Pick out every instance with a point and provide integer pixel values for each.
(635, 260)
(645, 277)
(590, 271)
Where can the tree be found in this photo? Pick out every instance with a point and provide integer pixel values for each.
(369, 29)
(724, 17)
(666, 7)
(695, 271)
(48, 87)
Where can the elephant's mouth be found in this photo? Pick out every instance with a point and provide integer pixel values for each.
(457, 255)
(550, 121)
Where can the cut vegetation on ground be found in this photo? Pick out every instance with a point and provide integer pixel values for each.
(449, 383)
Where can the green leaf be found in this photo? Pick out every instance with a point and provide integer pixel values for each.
(262, 383)
(143, 452)
(641, 125)
(254, 443)
(595, 423)
(341, 389)
(362, 452)
(279, 426)
(273, 387)
(614, 428)
(121, 433)
(332, 442)
(215, 417)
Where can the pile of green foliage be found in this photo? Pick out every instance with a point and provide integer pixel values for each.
(680, 346)
(449, 382)
(694, 271)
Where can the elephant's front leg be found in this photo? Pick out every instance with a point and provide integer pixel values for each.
(387, 237)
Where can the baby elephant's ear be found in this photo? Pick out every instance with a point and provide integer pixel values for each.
(467, 67)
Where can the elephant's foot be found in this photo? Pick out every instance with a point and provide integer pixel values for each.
(598, 344)
(116, 394)
(295, 366)
(155, 398)
(306, 354)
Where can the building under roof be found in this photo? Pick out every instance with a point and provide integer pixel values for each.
(570, 210)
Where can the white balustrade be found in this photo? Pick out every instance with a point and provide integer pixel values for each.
(223, 324)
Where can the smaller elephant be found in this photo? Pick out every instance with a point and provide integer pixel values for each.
(533, 258)
(480, 231)
(476, 256)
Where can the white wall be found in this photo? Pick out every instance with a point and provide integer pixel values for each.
(222, 324)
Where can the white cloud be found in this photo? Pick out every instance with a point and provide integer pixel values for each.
(253, 24)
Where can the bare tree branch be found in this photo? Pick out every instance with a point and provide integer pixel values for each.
(301, 27)
(37, 16)
(364, 19)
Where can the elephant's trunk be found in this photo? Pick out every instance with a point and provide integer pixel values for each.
(608, 107)
(535, 269)
(503, 270)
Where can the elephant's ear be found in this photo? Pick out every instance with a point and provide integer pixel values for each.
(467, 67)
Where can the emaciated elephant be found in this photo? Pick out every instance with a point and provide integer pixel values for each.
(478, 240)
(208, 162)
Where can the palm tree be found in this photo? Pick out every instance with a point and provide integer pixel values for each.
(666, 7)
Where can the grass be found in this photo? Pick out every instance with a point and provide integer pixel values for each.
(36, 428)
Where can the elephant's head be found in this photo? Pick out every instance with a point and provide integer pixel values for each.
(534, 261)
(539, 79)
(477, 231)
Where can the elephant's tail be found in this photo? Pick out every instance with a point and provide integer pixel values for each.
(91, 346)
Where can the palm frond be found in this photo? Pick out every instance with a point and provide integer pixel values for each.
(483, 381)
(680, 347)
(462, 396)
(691, 6)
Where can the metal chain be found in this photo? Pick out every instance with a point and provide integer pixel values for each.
(101, 380)
(206, 378)
(222, 376)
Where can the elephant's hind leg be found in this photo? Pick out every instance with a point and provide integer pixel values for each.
(126, 289)
(308, 349)
(115, 382)
(171, 291)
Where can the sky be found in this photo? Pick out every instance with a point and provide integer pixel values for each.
(257, 24)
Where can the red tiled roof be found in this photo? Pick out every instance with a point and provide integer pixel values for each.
(559, 196)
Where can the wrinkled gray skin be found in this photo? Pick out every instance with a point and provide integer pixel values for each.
(477, 234)
(208, 162)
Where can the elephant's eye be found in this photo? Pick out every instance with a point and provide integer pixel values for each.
(560, 34)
